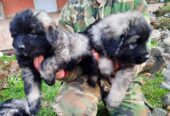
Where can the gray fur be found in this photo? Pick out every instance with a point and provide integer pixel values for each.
(120, 84)
(67, 47)
(14, 107)
(112, 28)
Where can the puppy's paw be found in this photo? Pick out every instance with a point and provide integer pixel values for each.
(105, 66)
(113, 100)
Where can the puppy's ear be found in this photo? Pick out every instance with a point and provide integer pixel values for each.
(44, 18)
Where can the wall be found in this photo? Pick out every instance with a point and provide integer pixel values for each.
(61, 3)
(13, 6)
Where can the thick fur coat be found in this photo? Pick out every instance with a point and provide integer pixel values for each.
(121, 37)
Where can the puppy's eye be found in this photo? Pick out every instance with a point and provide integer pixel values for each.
(32, 35)
(132, 46)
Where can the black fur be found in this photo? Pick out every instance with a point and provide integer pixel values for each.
(118, 47)
(32, 38)
(29, 41)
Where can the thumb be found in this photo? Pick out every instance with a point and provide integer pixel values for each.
(37, 61)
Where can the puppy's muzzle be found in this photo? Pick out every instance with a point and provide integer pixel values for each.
(21, 47)
(142, 58)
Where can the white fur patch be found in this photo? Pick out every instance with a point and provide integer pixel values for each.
(44, 18)
(34, 94)
(105, 66)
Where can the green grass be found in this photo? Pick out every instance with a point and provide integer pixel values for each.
(6, 58)
(152, 90)
(48, 95)
(14, 90)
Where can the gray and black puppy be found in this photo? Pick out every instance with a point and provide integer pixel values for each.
(35, 34)
(122, 37)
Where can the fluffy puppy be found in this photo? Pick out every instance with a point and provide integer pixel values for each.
(123, 41)
(29, 41)
(36, 34)
(122, 37)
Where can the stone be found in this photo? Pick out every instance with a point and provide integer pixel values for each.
(168, 66)
(167, 58)
(165, 85)
(166, 48)
(166, 74)
(167, 15)
(156, 35)
(159, 61)
(159, 112)
(165, 33)
(166, 99)
(168, 108)
(167, 41)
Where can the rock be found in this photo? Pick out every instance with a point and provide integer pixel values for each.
(167, 59)
(159, 112)
(167, 15)
(168, 66)
(165, 85)
(165, 33)
(159, 62)
(156, 35)
(168, 108)
(166, 74)
(166, 99)
(166, 41)
(166, 48)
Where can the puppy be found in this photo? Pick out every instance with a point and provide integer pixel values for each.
(36, 34)
(123, 41)
(29, 41)
(122, 37)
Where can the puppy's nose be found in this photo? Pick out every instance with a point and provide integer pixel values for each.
(21, 47)
(146, 56)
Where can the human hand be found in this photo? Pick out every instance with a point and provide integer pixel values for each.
(38, 60)
(61, 74)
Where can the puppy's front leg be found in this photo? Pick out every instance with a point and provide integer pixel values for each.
(119, 87)
(32, 86)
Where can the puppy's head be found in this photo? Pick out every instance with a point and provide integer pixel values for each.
(28, 34)
(132, 46)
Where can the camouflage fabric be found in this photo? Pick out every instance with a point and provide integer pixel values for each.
(78, 14)
(76, 97)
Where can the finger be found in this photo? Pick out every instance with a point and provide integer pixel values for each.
(37, 61)
(60, 74)
(96, 55)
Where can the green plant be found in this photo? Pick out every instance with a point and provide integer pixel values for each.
(152, 90)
